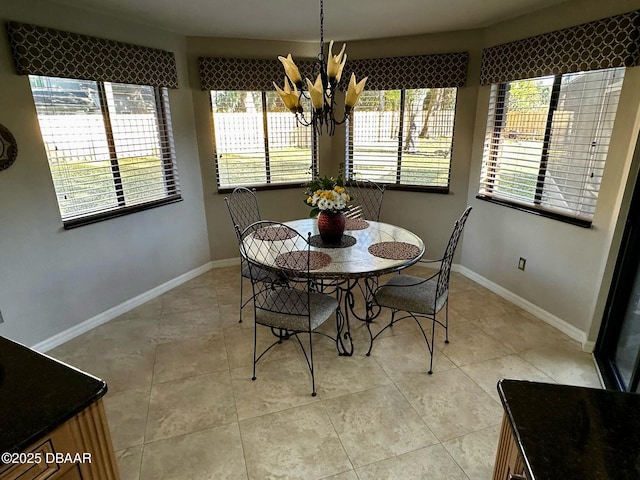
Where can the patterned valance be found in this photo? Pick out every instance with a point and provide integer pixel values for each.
(421, 71)
(245, 73)
(54, 53)
(424, 71)
(610, 42)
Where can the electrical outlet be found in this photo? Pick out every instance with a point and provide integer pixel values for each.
(522, 263)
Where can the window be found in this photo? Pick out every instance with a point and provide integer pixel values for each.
(257, 141)
(547, 141)
(109, 146)
(403, 137)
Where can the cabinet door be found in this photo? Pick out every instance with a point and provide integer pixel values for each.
(85, 433)
(509, 463)
(41, 455)
(73, 474)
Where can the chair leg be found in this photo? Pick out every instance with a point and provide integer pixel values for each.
(446, 321)
(311, 367)
(241, 297)
(255, 347)
(433, 347)
(426, 339)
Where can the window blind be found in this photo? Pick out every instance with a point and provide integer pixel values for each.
(403, 137)
(109, 146)
(257, 141)
(547, 140)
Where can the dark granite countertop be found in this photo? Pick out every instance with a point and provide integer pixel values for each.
(37, 394)
(566, 432)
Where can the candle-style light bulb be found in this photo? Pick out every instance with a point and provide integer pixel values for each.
(354, 91)
(316, 92)
(291, 70)
(335, 64)
(290, 98)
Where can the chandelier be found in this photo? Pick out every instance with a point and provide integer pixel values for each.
(322, 91)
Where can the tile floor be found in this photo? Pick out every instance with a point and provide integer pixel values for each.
(181, 404)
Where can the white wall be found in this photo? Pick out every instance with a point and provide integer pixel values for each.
(52, 279)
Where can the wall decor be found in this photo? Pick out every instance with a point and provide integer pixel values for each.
(8, 148)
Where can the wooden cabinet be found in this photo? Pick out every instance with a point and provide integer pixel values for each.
(78, 449)
(509, 462)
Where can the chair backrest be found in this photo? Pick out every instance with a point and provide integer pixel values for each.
(243, 207)
(447, 259)
(367, 199)
(273, 246)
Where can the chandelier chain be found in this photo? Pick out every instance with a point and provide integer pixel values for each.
(321, 56)
(321, 92)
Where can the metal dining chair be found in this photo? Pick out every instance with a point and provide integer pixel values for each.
(366, 200)
(366, 204)
(243, 209)
(292, 306)
(419, 297)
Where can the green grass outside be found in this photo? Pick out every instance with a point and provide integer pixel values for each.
(287, 165)
(83, 186)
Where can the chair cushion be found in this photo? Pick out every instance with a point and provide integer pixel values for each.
(261, 274)
(287, 308)
(402, 293)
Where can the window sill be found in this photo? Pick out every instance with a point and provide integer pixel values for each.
(257, 188)
(387, 186)
(537, 211)
(415, 188)
(99, 217)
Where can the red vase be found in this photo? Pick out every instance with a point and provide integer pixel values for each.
(331, 226)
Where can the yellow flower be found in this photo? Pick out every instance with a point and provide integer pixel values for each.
(347, 198)
(339, 189)
(309, 200)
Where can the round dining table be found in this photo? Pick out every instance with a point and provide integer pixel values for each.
(367, 250)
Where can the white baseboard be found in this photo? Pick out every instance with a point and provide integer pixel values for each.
(130, 304)
(227, 262)
(526, 305)
(589, 347)
(134, 302)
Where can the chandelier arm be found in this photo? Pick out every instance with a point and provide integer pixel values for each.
(302, 120)
(340, 122)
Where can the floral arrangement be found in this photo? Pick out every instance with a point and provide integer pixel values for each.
(327, 194)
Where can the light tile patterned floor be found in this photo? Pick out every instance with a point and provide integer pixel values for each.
(181, 403)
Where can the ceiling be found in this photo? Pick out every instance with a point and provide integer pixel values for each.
(299, 20)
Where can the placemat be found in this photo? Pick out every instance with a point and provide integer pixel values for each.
(394, 250)
(355, 224)
(345, 241)
(274, 233)
(297, 260)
